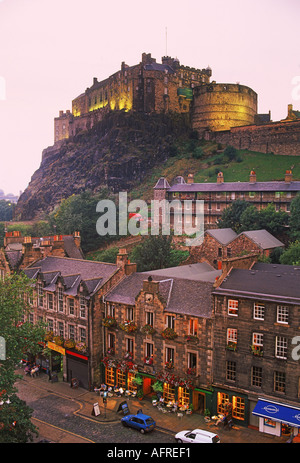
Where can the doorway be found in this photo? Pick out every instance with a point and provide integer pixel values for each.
(199, 402)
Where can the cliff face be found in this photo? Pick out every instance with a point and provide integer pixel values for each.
(116, 154)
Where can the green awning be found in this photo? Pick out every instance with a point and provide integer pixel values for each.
(185, 92)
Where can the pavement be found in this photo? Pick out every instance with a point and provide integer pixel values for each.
(168, 422)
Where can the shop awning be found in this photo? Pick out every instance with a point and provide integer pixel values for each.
(278, 412)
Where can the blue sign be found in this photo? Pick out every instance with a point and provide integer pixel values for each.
(278, 412)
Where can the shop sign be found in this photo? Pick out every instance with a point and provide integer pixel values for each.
(57, 348)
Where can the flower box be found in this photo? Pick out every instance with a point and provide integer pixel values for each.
(129, 326)
(169, 365)
(169, 333)
(109, 322)
(257, 350)
(148, 360)
(69, 343)
(191, 338)
(148, 329)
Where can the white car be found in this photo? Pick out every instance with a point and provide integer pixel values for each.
(197, 436)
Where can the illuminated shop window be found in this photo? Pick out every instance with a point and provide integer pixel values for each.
(109, 376)
(121, 378)
(223, 400)
(130, 385)
(183, 396)
(169, 392)
(238, 410)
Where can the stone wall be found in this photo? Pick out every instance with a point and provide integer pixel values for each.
(275, 137)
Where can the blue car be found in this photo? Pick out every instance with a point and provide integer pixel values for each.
(141, 422)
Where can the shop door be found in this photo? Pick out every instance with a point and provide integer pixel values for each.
(78, 370)
(199, 402)
(147, 386)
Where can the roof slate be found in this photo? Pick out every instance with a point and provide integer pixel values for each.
(235, 187)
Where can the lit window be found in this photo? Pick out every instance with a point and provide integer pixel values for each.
(233, 307)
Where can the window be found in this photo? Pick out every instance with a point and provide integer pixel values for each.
(169, 392)
(109, 376)
(31, 319)
(111, 310)
(281, 347)
(193, 327)
(183, 396)
(121, 378)
(256, 376)
(149, 318)
(60, 299)
(169, 354)
(259, 311)
(40, 294)
(71, 306)
(231, 338)
(232, 196)
(251, 194)
(129, 313)
(148, 349)
(279, 381)
(82, 335)
(238, 408)
(282, 314)
(50, 301)
(233, 307)
(61, 331)
(170, 321)
(192, 360)
(71, 331)
(129, 345)
(228, 252)
(223, 400)
(111, 341)
(50, 324)
(82, 311)
(230, 370)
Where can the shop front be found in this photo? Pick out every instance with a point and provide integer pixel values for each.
(237, 403)
(276, 418)
(77, 366)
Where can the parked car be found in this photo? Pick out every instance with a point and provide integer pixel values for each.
(197, 436)
(141, 422)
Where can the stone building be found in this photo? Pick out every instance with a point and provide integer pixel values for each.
(68, 298)
(223, 243)
(218, 196)
(158, 325)
(256, 323)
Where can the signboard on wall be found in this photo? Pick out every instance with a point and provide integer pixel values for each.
(53, 346)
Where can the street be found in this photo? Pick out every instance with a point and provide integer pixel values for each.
(58, 421)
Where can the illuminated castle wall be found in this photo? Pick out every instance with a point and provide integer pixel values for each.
(222, 106)
(148, 86)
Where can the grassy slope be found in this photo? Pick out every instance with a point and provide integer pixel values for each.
(266, 166)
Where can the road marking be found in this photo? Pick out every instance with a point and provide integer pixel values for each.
(63, 430)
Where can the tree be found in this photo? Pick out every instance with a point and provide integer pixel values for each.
(17, 339)
(78, 213)
(294, 221)
(231, 216)
(292, 255)
(269, 219)
(153, 253)
(6, 210)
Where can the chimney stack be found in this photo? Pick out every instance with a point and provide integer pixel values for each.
(220, 178)
(190, 178)
(252, 176)
(288, 176)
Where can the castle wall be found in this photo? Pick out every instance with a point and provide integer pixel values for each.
(223, 106)
(276, 137)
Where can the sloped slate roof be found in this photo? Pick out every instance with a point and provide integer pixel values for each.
(263, 239)
(222, 235)
(181, 296)
(263, 284)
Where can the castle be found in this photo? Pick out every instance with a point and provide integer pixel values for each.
(223, 112)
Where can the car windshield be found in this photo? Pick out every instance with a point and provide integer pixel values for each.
(149, 421)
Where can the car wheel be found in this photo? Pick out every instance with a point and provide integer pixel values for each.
(124, 423)
(142, 431)
(179, 441)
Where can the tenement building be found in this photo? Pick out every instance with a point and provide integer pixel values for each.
(67, 297)
(219, 195)
(256, 332)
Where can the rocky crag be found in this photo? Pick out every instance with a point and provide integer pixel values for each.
(116, 154)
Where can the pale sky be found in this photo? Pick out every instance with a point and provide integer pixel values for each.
(50, 50)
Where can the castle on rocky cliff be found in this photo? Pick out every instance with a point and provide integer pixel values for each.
(224, 112)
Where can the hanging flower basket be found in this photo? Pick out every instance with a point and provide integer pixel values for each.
(49, 336)
(169, 333)
(81, 347)
(111, 351)
(257, 350)
(129, 326)
(169, 365)
(148, 329)
(109, 322)
(59, 340)
(69, 343)
(128, 356)
(109, 363)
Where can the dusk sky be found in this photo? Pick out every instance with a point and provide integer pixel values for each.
(50, 50)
